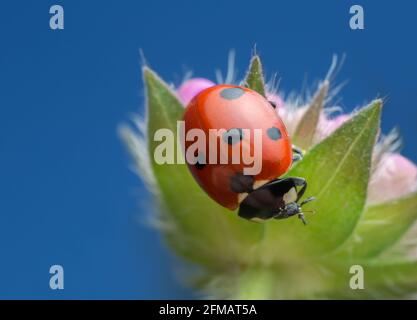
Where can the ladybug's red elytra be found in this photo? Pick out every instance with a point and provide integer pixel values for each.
(238, 110)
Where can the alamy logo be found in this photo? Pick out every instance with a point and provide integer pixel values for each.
(56, 282)
(357, 280)
(357, 20)
(210, 147)
(57, 19)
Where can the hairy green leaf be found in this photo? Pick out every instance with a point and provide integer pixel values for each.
(381, 226)
(307, 127)
(255, 78)
(381, 279)
(197, 227)
(337, 171)
(338, 280)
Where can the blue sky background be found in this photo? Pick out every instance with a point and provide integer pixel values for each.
(66, 194)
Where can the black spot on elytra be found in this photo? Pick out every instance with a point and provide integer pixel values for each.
(233, 136)
(274, 133)
(232, 93)
(241, 183)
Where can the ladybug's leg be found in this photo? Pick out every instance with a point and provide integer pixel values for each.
(298, 182)
(307, 201)
(297, 154)
(296, 149)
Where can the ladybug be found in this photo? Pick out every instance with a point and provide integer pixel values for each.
(236, 112)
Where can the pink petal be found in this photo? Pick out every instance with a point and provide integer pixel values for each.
(395, 177)
(192, 87)
(291, 116)
(276, 99)
(328, 126)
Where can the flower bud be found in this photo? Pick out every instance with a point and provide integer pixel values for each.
(192, 87)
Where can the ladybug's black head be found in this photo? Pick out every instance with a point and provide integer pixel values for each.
(292, 209)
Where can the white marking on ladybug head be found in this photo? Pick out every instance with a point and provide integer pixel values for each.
(290, 196)
(241, 197)
(259, 183)
(256, 219)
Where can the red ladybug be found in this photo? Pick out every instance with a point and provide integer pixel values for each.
(239, 111)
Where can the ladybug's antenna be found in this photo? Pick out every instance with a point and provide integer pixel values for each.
(309, 211)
